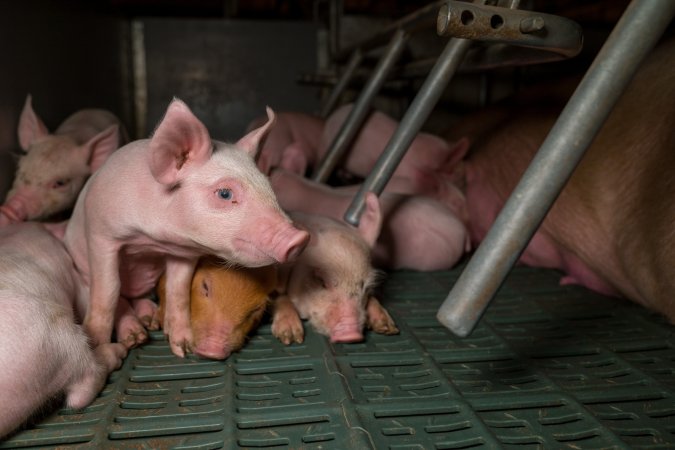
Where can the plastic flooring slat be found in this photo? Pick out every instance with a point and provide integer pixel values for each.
(548, 366)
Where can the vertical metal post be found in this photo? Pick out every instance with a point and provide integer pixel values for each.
(412, 121)
(361, 108)
(342, 83)
(635, 34)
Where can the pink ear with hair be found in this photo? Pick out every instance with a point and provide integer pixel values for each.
(101, 146)
(179, 142)
(457, 153)
(31, 127)
(370, 224)
(252, 142)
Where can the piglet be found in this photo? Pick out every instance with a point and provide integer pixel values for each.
(331, 282)
(160, 204)
(226, 304)
(292, 143)
(43, 352)
(299, 141)
(418, 232)
(426, 154)
(52, 172)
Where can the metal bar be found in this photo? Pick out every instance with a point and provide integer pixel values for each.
(361, 108)
(412, 121)
(342, 83)
(424, 17)
(635, 34)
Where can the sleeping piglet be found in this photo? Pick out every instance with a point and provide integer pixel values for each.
(52, 172)
(418, 232)
(160, 204)
(298, 142)
(226, 304)
(331, 282)
(43, 352)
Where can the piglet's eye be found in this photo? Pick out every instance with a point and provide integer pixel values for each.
(60, 183)
(225, 194)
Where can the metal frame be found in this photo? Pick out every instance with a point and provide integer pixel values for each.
(635, 34)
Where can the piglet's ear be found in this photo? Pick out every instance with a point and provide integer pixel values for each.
(252, 142)
(180, 141)
(31, 127)
(101, 146)
(370, 224)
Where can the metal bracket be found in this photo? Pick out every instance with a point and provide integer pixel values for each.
(541, 37)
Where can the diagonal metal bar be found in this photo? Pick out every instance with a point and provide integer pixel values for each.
(361, 108)
(634, 35)
(412, 121)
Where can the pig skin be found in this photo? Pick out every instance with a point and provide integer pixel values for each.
(226, 304)
(418, 232)
(330, 283)
(160, 204)
(43, 352)
(55, 166)
(298, 142)
(292, 142)
(611, 228)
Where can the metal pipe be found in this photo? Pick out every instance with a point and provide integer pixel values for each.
(361, 108)
(342, 83)
(412, 121)
(424, 17)
(635, 34)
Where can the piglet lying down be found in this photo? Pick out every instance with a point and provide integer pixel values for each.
(331, 282)
(43, 352)
(52, 172)
(226, 304)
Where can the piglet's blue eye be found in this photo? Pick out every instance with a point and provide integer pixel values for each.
(225, 194)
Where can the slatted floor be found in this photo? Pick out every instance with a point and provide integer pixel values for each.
(548, 367)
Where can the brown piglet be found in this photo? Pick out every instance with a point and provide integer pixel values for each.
(226, 304)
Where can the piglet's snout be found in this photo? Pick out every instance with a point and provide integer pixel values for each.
(290, 244)
(346, 332)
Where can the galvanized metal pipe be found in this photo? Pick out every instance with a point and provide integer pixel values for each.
(342, 83)
(420, 19)
(361, 108)
(635, 34)
(412, 121)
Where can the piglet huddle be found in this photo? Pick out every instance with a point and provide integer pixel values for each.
(193, 217)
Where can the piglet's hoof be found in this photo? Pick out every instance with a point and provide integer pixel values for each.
(378, 318)
(111, 355)
(147, 312)
(180, 341)
(286, 323)
(290, 335)
(130, 331)
(288, 329)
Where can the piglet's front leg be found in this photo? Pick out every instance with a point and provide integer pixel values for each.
(176, 322)
(378, 319)
(286, 323)
(104, 291)
(129, 329)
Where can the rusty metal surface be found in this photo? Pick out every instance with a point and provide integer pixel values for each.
(511, 26)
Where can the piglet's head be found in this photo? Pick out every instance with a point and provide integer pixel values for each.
(223, 204)
(54, 168)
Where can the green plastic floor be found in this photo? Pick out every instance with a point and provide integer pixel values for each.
(548, 367)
